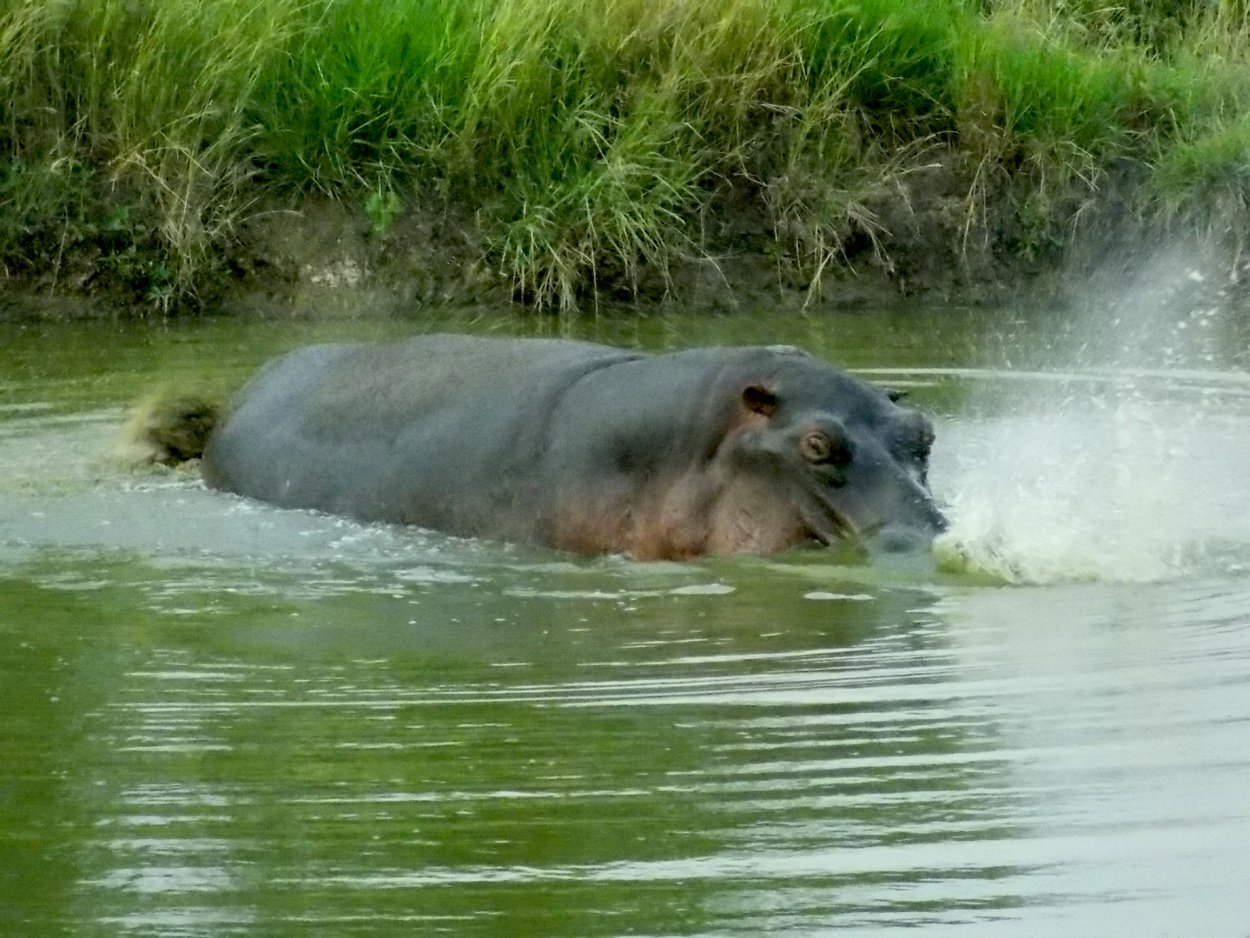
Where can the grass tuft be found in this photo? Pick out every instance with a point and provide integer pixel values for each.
(594, 139)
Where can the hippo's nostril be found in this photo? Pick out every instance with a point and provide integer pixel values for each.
(927, 515)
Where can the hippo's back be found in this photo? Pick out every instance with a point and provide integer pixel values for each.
(398, 432)
(375, 389)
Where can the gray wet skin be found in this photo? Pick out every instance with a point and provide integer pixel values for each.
(583, 447)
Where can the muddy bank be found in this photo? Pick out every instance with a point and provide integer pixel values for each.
(923, 242)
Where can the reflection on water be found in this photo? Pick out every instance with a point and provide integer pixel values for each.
(217, 718)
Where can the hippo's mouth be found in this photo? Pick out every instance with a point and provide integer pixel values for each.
(825, 524)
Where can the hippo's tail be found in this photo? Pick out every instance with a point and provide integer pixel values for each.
(167, 430)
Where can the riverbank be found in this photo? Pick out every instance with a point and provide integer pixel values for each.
(284, 158)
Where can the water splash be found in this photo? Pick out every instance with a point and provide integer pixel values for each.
(1121, 457)
(1094, 487)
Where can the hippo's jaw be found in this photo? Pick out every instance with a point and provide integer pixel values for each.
(824, 521)
(825, 524)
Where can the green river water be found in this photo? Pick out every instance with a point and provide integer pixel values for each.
(218, 718)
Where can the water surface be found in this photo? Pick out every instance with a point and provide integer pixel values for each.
(218, 718)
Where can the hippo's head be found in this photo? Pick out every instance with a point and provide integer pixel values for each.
(819, 455)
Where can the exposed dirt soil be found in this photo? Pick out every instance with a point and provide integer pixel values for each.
(317, 257)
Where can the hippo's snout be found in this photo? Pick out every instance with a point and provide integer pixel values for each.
(912, 534)
(901, 539)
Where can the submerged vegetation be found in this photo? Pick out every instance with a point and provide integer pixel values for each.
(597, 146)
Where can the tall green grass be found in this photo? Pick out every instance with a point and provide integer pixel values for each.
(595, 139)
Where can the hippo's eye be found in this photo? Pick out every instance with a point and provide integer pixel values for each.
(815, 447)
(819, 447)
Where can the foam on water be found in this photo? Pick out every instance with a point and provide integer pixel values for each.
(1121, 457)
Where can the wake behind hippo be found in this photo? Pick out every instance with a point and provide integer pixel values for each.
(582, 447)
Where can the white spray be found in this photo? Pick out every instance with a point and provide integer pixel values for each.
(1122, 455)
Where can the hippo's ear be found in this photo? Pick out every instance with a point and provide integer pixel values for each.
(759, 399)
(895, 394)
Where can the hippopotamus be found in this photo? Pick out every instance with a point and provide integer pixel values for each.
(583, 447)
